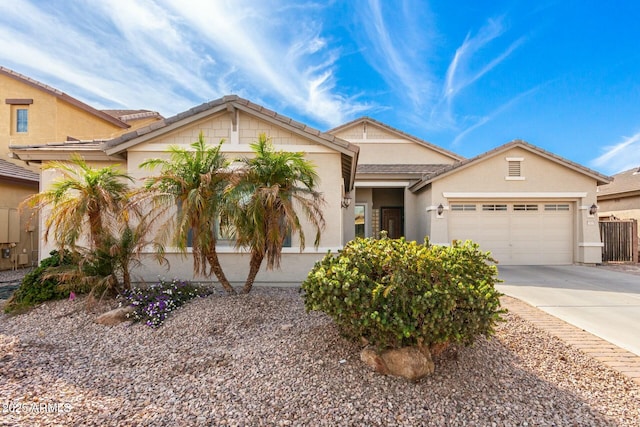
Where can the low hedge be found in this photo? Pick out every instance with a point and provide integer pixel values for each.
(396, 293)
(35, 289)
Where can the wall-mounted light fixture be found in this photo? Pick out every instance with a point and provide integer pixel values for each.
(346, 200)
(440, 209)
(593, 209)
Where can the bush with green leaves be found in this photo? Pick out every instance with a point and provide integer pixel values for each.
(396, 293)
(37, 286)
(153, 304)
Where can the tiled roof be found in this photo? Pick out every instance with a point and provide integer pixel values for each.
(128, 115)
(601, 179)
(12, 171)
(419, 170)
(63, 96)
(229, 101)
(623, 182)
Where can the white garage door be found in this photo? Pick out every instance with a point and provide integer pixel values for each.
(519, 233)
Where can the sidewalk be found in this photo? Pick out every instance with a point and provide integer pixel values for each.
(608, 354)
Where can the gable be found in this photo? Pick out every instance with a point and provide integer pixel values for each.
(539, 169)
(382, 144)
(220, 126)
(241, 121)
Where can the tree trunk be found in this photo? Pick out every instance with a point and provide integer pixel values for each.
(254, 268)
(212, 258)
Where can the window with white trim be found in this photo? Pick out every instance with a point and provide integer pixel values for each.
(463, 207)
(524, 207)
(557, 207)
(494, 207)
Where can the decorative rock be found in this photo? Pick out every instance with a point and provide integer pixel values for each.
(412, 363)
(115, 316)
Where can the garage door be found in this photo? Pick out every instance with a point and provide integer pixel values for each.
(519, 233)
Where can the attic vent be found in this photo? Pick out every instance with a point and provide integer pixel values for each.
(514, 168)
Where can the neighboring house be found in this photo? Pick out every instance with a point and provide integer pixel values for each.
(621, 198)
(526, 205)
(33, 113)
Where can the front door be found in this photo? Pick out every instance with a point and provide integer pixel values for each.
(392, 222)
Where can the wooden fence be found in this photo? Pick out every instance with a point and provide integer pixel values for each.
(620, 238)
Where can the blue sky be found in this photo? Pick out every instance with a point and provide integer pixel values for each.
(563, 75)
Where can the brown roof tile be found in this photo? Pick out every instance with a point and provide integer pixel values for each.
(15, 172)
(623, 182)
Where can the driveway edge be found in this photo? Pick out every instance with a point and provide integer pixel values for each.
(618, 359)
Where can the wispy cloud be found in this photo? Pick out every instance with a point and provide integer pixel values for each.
(396, 44)
(619, 157)
(492, 115)
(465, 69)
(161, 55)
(459, 75)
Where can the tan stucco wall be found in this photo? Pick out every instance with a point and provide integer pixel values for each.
(50, 119)
(295, 265)
(380, 146)
(541, 176)
(12, 195)
(621, 204)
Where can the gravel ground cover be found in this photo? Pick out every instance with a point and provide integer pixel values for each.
(260, 360)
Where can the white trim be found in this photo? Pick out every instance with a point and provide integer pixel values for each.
(378, 141)
(435, 208)
(440, 244)
(514, 159)
(232, 147)
(223, 249)
(591, 244)
(515, 195)
(398, 184)
(514, 178)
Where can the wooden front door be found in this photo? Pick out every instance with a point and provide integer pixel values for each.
(392, 222)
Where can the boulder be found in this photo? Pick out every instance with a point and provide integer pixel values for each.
(115, 316)
(412, 363)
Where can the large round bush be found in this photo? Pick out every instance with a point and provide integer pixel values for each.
(396, 293)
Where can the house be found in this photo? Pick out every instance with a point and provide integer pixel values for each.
(34, 113)
(524, 204)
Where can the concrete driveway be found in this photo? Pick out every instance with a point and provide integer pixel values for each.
(603, 302)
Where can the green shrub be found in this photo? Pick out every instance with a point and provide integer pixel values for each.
(396, 293)
(35, 289)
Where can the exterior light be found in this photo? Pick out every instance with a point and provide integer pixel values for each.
(346, 200)
(440, 209)
(593, 209)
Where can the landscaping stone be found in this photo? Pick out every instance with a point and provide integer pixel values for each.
(115, 316)
(411, 363)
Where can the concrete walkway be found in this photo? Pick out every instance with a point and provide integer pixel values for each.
(594, 309)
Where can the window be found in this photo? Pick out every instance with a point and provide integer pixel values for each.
(494, 207)
(360, 211)
(556, 207)
(463, 208)
(22, 120)
(525, 207)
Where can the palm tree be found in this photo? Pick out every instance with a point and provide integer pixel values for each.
(266, 192)
(83, 196)
(193, 181)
